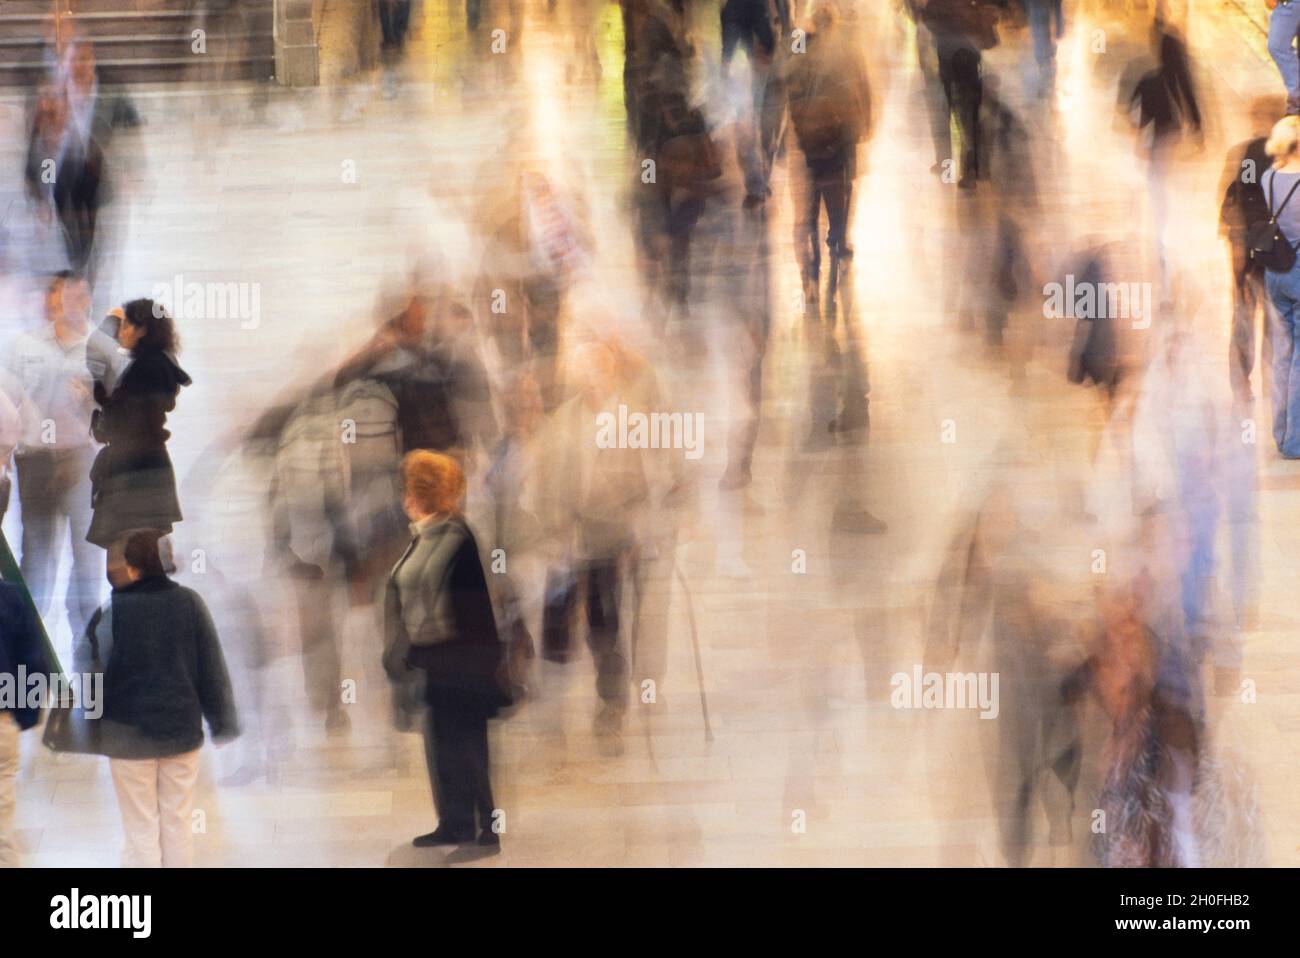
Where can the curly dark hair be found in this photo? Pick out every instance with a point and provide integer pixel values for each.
(142, 553)
(159, 328)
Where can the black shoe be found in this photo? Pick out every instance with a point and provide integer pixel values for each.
(489, 839)
(441, 836)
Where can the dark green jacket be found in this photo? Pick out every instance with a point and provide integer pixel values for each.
(165, 673)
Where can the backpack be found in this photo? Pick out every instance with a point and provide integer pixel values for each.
(370, 406)
(819, 125)
(1267, 245)
(688, 154)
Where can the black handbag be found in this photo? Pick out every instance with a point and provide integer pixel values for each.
(1267, 245)
(68, 729)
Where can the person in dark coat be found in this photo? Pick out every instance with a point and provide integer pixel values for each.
(439, 627)
(656, 54)
(394, 24)
(830, 110)
(961, 30)
(1095, 350)
(133, 485)
(1245, 206)
(760, 28)
(66, 173)
(1168, 110)
(21, 648)
(164, 675)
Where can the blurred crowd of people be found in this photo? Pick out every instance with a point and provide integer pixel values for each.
(443, 481)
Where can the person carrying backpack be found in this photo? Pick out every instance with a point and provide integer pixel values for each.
(1274, 247)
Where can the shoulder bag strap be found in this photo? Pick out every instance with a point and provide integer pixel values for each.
(1271, 184)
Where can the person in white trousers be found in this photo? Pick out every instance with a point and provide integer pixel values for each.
(156, 796)
(164, 674)
(8, 790)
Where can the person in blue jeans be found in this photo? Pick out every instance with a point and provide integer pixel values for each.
(1046, 26)
(1283, 25)
(1284, 288)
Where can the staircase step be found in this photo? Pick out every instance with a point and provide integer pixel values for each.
(27, 8)
(96, 25)
(145, 6)
(137, 40)
(181, 69)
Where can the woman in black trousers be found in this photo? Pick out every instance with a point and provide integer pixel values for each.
(439, 627)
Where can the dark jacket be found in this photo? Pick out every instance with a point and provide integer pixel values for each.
(830, 98)
(655, 72)
(1244, 203)
(972, 22)
(78, 190)
(134, 417)
(754, 24)
(463, 664)
(1094, 353)
(21, 644)
(132, 482)
(1166, 97)
(165, 673)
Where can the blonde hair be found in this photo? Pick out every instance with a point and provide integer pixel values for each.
(1282, 142)
(434, 481)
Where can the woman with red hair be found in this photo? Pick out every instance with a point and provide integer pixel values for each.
(439, 628)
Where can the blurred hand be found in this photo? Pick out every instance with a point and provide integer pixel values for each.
(80, 390)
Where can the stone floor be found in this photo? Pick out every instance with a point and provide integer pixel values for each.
(795, 668)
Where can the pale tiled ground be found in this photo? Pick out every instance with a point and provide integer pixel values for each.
(796, 668)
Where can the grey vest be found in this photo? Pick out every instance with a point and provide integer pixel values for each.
(420, 581)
